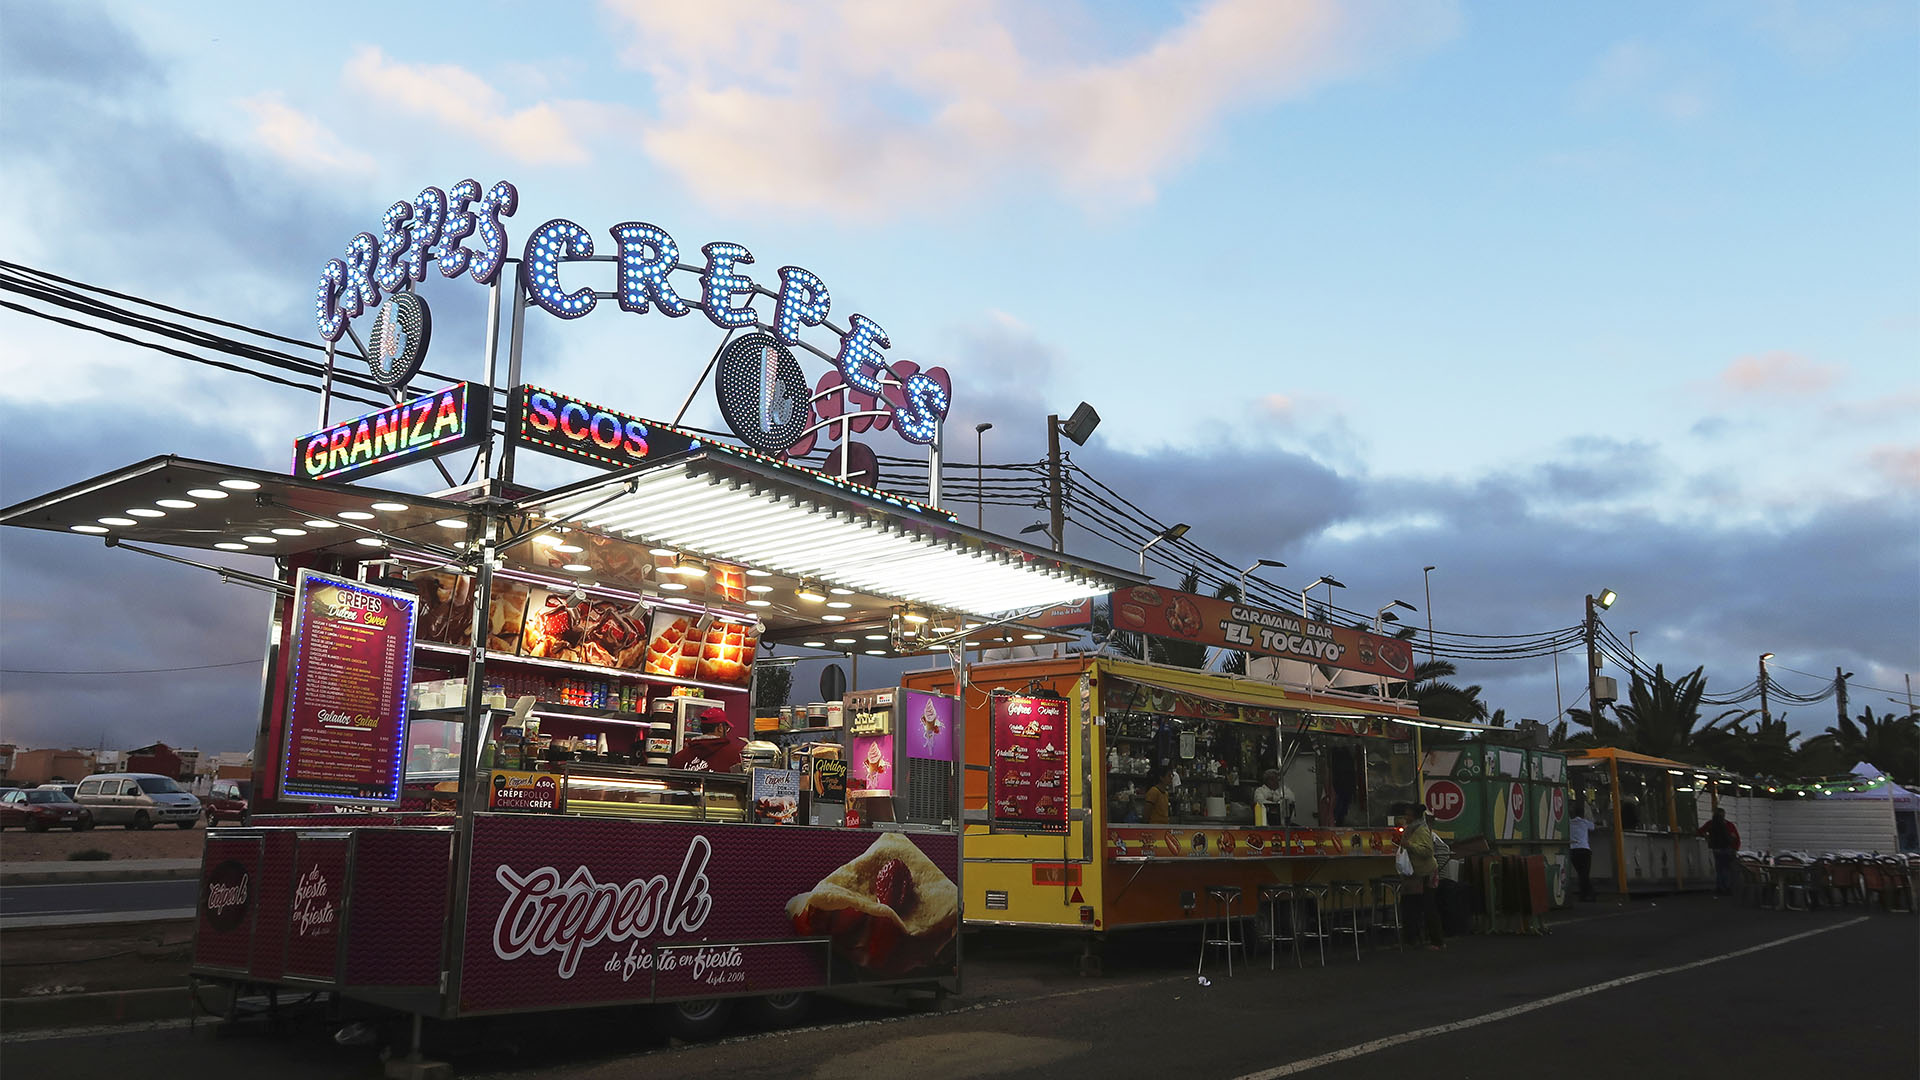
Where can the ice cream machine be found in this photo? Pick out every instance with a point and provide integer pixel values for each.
(900, 755)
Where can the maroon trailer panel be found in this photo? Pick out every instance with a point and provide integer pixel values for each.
(319, 902)
(568, 912)
(400, 907)
(229, 918)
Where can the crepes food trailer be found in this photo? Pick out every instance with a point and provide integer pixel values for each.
(473, 701)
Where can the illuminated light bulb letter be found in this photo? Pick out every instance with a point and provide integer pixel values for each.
(458, 226)
(326, 300)
(927, 403)
(719, 284)
(501, 201)
(803, 302)
(647, 255)
(540, 268)
(390, 268)
(860, 361)
(362, 291)
(429, 217)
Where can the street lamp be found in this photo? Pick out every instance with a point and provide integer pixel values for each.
(1257, 564)
(979, 484)
(1036, 527)
(1331, 585)
(1386, 615)
(1426, 577)
(1764, 717)
(1631, 651)
(1078, 427)
(1171, 532)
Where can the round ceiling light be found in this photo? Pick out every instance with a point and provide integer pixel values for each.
(288, 532)
(759, 573)
(845, 641)
(175, 504)
(321, 523)
(453, 523)
(759, 603)
(356, 515)
(121, 522)
(838, 604)
(207, 493)
(146, 512)
(576, 567)
(230, 546)
(240, 485)
(390, 507)
(96, 529)
(568, 549)
(370, 541)
(259, 539)
(661, 553)
(831, 617)
(814, 644)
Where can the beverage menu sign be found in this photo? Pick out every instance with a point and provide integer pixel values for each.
(1029, 764)
(347, 691)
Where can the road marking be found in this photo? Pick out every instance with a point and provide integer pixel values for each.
(43, 1034)
(1361, 1049)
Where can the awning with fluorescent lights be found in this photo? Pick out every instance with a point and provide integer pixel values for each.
(731, 508)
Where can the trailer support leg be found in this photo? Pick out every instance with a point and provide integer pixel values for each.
(1090, 949)
(414, 1066)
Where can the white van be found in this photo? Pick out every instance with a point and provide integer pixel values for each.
(137, 800)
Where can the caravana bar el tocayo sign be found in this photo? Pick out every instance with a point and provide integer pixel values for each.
(1223, 624)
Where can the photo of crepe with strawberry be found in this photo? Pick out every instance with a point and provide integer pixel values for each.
(889, 911)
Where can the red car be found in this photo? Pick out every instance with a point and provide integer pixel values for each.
(40, 809)
(228, 801)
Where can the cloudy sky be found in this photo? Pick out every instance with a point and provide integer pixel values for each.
(1549, 297)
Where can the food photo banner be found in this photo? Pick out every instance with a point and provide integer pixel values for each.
(1224, 624)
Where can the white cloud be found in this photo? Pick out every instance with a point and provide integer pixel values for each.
(1778, 374)
(301, 140)
(1636, 74)
(863, 108)
(465, 103)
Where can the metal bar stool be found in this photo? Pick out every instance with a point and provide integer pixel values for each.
(1387, 909)
(1276, 897)
(1793, 886)
(1354, 899)
(1220, 898)
(1316, 894)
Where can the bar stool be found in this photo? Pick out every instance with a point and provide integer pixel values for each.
(1220, 898)
(1316, 894)
(1353, 898)
(1274, 896)
(1387, 899)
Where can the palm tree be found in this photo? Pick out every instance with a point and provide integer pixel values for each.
(1660, 718)
(1890, 743)
(1442, 699)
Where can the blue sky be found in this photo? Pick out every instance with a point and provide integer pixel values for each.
(1551, 296)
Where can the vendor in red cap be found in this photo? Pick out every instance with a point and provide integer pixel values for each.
(717, 749)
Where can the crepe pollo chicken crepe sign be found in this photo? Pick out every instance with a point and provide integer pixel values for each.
(1222, 624)
(570, 912)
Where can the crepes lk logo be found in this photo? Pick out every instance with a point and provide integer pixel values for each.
(542, 915)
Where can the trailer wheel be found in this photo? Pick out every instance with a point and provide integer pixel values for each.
(699, 1020)
(778, 1010)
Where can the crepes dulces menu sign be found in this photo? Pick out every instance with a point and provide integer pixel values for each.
(1224, 624)
(1029, 764)
(346, 691)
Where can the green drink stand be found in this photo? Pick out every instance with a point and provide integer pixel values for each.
(1515, 799)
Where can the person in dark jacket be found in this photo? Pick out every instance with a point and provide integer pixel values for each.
(1422, 889)
(1723, 840)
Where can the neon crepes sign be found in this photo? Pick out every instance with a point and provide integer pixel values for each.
(762, 392)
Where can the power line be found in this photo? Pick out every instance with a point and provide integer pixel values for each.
(125, 671)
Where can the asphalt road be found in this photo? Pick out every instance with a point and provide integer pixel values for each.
(1684, 985)
(97, 897)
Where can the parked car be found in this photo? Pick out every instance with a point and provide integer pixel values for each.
(138, 801)
(40, 809)
(61, 785)
(228, 801)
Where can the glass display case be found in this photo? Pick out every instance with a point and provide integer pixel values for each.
(658, 794)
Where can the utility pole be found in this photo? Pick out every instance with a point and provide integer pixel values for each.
(1054, 495)
(1593, 663)
(1840, 693)
(1765, 717)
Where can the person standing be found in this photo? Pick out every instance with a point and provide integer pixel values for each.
(1723, 840)
(1273, 795)
(1159, 797)
(1580, 849)
(1421, 889)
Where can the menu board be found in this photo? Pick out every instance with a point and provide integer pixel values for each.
(1029, 764)
(701, 647)
(347, 685)
(525, 792)
(776, 796)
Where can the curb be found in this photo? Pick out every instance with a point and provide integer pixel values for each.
(105, 1007)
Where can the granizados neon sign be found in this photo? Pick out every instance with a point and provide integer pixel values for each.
(762, 392)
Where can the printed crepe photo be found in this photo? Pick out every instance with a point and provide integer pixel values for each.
(889, 911)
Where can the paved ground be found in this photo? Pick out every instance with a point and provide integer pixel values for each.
(96, 897)
(1658, 989)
